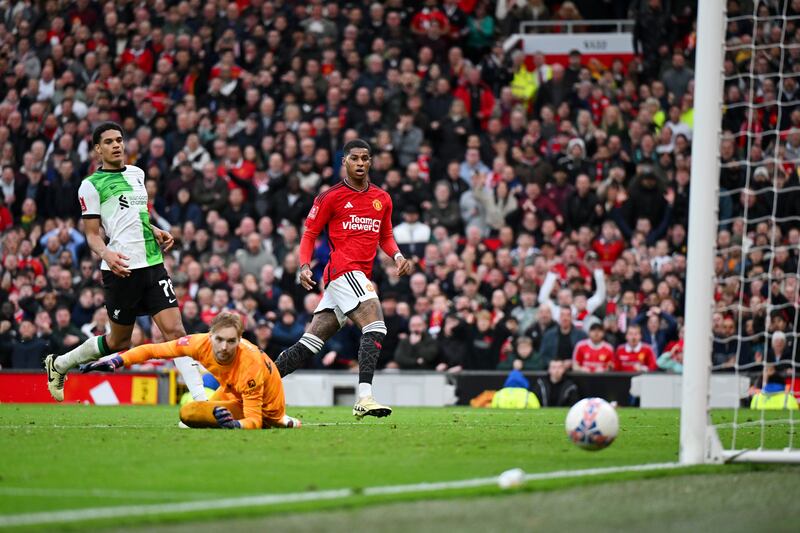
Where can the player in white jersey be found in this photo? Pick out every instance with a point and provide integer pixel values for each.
(134, 277)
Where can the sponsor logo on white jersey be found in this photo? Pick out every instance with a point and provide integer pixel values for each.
(138, 199)
(357, 223)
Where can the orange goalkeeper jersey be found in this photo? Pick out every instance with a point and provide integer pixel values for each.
(251, 378)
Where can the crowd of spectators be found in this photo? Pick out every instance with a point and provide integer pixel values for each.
(538, 201)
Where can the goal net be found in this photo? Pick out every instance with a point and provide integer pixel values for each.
(742, 312)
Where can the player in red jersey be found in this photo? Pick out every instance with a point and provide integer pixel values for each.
(358, 218)
(634, 355)
(593, 354)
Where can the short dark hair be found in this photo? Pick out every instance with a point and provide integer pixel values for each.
(104, 127)
(357, 143)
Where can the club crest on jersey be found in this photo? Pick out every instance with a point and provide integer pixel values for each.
(377, 205)
(313, 213)
(357, 223)
(369, 287)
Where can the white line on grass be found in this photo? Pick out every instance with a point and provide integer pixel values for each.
(481, 425)
(323, 424)
(83, 426)
(96, 513)
(151, 426)
(103, 493)
(757, 423)
(483, 481)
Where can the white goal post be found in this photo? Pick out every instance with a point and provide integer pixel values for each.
(698, 436)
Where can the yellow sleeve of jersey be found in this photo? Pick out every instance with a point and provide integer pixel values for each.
(190, 345)
(250, 382)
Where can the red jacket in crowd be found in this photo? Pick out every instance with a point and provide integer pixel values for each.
(487, 101)
(143, 60)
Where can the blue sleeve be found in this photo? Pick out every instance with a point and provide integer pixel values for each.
(76, 237)
(195, 215)
(672, 324)
(622, 224)
(282, 335)
(548, 348)
(725, 208)
(661, 230)
(44, 238)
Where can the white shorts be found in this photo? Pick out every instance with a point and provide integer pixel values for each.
(345, 293)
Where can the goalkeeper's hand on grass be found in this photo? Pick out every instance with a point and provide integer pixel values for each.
(105, 365)
(225, 419)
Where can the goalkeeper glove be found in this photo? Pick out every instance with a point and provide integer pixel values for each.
(105, 365)
(225, 419)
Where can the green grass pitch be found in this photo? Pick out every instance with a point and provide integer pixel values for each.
(70, 458)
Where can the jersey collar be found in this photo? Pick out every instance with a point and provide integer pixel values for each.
(346, 184)
(121, 170)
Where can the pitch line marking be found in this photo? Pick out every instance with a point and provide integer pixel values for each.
(102, 493)
(309, 424)
(82, 426)
(758, 423)
(96, 513)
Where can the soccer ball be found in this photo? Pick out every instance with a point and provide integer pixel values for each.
(592, 424)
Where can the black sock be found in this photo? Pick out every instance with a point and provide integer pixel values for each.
(369, 350)
(292, 358)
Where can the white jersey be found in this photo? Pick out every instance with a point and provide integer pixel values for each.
(119, 199)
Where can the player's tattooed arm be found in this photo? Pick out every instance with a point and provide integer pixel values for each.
(307, 277)
(404, 266)
(324, 325)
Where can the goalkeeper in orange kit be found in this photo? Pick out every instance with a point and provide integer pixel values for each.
(250, 395)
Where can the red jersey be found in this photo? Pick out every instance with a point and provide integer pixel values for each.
(599, 358)
(608, 252)
(561, 270)
(612, 305)
(357, 222)
(424, 18)
(629, 359)
(143, 59)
